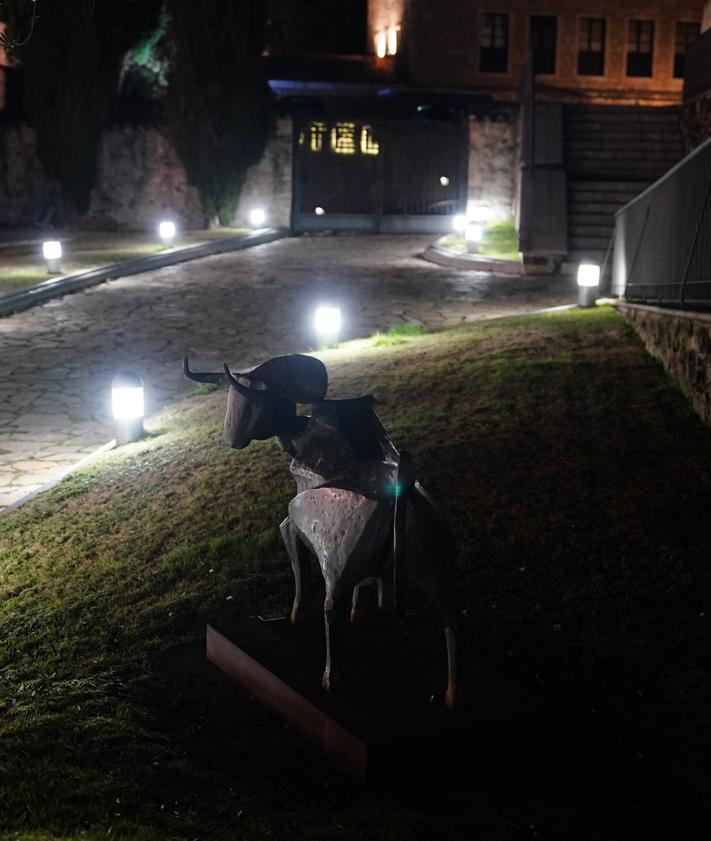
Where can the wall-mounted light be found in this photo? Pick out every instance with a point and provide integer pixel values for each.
(166, 231)
(444, 181)
(319, 211)
(52, 253)
(327, 323)
(257, 217)
(127, 406)
(588, 284)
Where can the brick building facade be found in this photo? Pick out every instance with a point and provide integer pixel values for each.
(609, 51)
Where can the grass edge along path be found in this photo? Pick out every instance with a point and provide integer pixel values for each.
(576, 479)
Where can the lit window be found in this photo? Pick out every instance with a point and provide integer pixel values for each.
(317, 132)
(343, 140)
(368, 145)
(392, 39)
(591, 47)
(494, 43)
(686, 34)
(640, 48)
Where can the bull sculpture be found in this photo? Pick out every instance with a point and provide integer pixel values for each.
(358, 506)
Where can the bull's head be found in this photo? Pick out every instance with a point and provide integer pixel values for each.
(262, 402)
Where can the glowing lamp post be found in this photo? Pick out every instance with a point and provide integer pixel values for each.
(473, 234)
(166, 231)
(257, 217)
(327, 323)
(459, 223)
(52, 253)
(127, 405)
(588, 284)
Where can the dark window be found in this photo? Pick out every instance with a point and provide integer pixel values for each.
(686, 34)
(640, 48)
(544, 30)
(591, 47)
(494, 43)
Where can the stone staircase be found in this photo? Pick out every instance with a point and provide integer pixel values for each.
(612, 153)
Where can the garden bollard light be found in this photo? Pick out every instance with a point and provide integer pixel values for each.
(52, 253)
(327, 322)
(127, 405)
(588, 284)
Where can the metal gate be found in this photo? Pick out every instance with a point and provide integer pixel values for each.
(389, 176)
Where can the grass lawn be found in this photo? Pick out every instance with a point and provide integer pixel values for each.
(577, 481)
(499, 240)
(24, 266)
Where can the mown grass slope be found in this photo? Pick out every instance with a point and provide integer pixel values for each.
(577, 481)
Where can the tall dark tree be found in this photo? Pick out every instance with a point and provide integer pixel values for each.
(71, 53)
(218, 100)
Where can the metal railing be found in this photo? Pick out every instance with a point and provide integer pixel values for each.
(663, 238)
(697, 66)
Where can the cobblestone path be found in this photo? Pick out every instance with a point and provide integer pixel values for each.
(58, 358)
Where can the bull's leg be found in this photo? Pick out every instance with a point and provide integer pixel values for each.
(333, 614)
(299, 557)
(449, 620)
(356, 595)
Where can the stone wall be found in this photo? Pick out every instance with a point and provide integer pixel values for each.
(681, 341)
(24, 195)
(268, 184)
(493, 161)
(696, 121)
(140, 181)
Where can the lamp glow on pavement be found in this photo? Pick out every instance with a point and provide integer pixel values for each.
(257, 217)
(327, 323)
(127, 406)
(459, 223)
(166, 231)
(52, 253)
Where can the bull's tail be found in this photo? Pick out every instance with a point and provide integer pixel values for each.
(404, 483)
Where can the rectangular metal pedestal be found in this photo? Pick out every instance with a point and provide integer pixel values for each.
(389, 715)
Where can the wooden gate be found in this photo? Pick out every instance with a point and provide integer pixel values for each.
(390, 176)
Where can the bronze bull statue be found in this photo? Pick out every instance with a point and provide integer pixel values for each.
(358, 506)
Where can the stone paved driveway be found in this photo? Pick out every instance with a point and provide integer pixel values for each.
(58, 359)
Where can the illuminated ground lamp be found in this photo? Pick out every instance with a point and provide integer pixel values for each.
(127, 405)
(52, 253)
(459, 223)
(588, 284)
(166, 231)
(327, 323)
(257, 217)
(473, 234)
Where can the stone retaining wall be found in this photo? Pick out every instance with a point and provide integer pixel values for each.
(696, 121)
(493, 161)
(681, 341)
(140, 181)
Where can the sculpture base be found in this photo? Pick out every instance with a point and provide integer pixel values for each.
(389, 716)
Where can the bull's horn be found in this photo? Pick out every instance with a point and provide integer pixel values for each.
(203, 377)
(249, 393)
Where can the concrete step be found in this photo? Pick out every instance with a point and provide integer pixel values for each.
(587, 243)
(580, 255)
(578, 220)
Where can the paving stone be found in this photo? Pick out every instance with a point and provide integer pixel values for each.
(240, 308)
